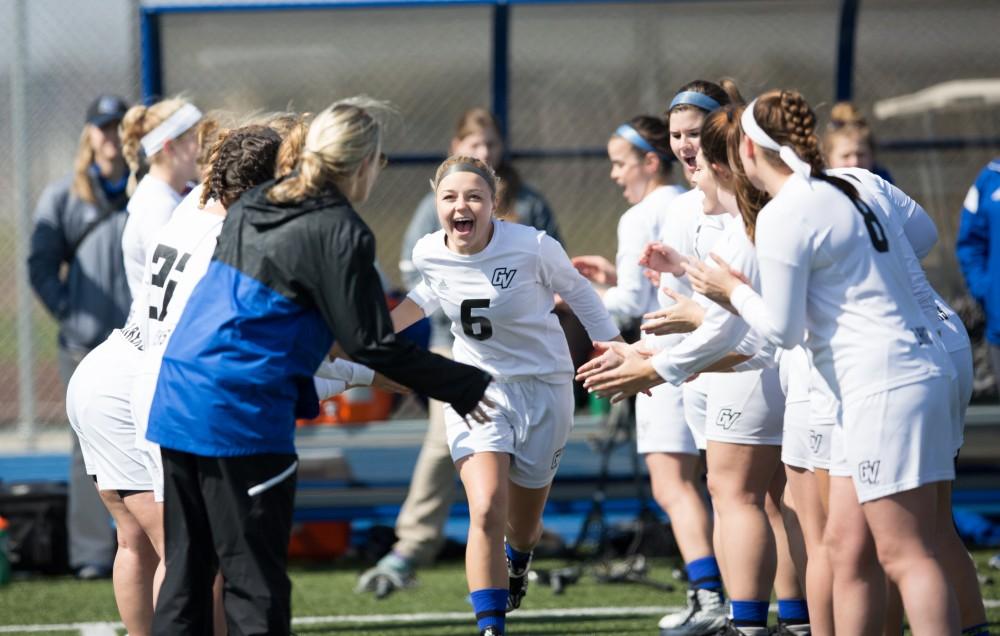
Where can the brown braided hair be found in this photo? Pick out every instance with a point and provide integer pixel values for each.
(241, 159)
(786, 116)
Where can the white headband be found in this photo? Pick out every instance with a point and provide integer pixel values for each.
(173, 127)
(756, 134)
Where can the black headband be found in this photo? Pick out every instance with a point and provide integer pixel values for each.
(469, 167)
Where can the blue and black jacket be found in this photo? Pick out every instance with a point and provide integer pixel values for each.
(978, 245)
(286, 282)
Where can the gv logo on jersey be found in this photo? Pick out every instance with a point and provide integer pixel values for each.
(502, 277)
(815, 441)
(556, 456)
(726, 419)
(868, 471)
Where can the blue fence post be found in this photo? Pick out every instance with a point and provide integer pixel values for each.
(844, 88)
(150, 71)
(501, 65)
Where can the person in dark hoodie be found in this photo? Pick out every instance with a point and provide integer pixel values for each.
(293, 274)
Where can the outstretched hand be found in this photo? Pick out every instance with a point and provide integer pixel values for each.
(384, 383)
(596, 269)
(479, 414)
(684, 316)
(663, 258)
(715, 283)
(619, 372)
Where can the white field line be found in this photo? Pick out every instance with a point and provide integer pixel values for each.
(105, 628)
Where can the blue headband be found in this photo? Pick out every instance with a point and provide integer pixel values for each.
(631, 135)
(694, 98)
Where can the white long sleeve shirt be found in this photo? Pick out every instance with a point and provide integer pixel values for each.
(500, 301)
(825, 268)
(148, 210)
(634, 295)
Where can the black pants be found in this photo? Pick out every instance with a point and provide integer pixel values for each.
(211, 522)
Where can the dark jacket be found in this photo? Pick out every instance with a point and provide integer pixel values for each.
(978, 245)
(285, 283)
(93, 297)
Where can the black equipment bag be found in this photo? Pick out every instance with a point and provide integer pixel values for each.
(36, 513)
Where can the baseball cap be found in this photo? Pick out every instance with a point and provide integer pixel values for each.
(106, 109)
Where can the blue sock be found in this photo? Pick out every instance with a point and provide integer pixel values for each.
(703, 574)
(490, 606)
(793, 611)
(749, 613)
(982, 629)
(518, 560)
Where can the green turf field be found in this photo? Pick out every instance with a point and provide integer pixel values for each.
(324, 601)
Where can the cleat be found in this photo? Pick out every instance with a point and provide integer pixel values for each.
(517, 585)
(705, 615)
(383, 580)
(491, 631)
(783, 629)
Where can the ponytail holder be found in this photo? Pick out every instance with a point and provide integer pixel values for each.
(172, 127)
(631, 135)
(694, 98)
(787, 154)
(467, 167)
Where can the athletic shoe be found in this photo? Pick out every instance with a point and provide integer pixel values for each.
(391, 573)
(491, 631)
(783, 629)
(705, 615)
(517, 585)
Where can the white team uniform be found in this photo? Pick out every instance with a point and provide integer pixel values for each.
(500, 302)
(99, 396)
(811, 412)
(659, 418)
(919, 231)
(842, 275)
(745, 407)
(685, 227)
(149, 208)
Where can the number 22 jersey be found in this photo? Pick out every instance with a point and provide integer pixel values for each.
(500, 301)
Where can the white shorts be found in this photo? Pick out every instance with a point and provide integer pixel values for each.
(695, 403)
(531, 422)
(793, 371)
(660, 424)
(143, 388)
(962, 361)
(747, 407)
(824, 415)
(99, 395)
(896, 440)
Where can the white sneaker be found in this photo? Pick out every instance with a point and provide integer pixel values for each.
(705, 614)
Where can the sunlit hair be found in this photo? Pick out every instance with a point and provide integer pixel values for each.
(338, 141)
(787, 118)
(487, 173)
(83, 186)
(720, 146)
(846, 121)
(241, 159)
(138, 122)
(724, 92)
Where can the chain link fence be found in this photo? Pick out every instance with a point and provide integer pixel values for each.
(575, 71)
(55, 57)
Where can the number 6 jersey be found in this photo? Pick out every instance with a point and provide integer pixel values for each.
(500, 301)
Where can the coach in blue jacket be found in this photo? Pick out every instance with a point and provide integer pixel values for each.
(978, 252)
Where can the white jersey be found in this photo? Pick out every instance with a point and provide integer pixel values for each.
(915, 227)
(149, 208)
(500, 301)
(720, 331)
(634, 295)
(841, 274)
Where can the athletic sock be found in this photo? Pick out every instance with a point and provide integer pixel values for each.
(703, 574)
(518, 560)
(983, 629)
(793, 611)
(749, 613)
(490, 605)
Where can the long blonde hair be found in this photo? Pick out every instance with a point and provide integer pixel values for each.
(83, 186)
(339, 139)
